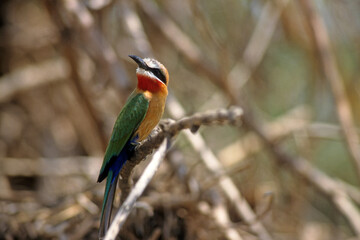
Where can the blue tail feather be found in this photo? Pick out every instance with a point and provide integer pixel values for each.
(123, 157)
(119, 163)
(111, 182)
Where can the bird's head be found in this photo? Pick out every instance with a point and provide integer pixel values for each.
(152, 75)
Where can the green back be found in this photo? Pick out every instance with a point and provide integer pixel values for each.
(128, 121)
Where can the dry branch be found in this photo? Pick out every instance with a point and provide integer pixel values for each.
(50, 167)
(181, 41)
(53, 172)
(136, 192)
(135, 28)
(171, 128)
(96, 42)
(83, 96)
(221, 216)
(33, 76)
(295, 120)
(312, 175)
(227, 185)
(328, 62)
(257, 45)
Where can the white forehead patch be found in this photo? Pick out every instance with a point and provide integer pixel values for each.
(151, 63)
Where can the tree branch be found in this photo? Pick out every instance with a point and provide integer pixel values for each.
(321, 38)
(226, 184)
(97, 45)
(312, 175)
(136, 192)
(171, 127)
(32, 77)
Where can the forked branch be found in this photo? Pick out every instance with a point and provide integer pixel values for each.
(171, 128)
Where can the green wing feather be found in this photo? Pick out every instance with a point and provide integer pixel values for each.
(128, 121)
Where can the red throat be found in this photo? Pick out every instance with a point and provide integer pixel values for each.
(146, 83)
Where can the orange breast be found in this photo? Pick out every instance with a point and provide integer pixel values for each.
(153, 115)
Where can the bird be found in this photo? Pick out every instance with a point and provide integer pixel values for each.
(140, 114)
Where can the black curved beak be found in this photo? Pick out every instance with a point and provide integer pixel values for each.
(139, 62)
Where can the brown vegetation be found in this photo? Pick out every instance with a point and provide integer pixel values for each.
(280, 77)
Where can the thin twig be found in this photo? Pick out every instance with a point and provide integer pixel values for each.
(171, 127)
(96, 43)
(312, 175)
(135, 28)
(351, 190)
(98, 4)
(136, 192)
(328, 62)
(257, 45)
(227, 185)
(32, 76)
(56, 167)
(216, 44)
(295, 120)
(181, 41)
(220, 214)
(241, 72)
(81, 93)
(79, 116)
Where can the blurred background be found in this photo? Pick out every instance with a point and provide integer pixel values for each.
(293, 65)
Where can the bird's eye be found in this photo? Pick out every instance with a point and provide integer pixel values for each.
(158, 73)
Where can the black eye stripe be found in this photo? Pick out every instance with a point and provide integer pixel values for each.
(157, 72)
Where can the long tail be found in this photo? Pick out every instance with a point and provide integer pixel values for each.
(109, 195)
(111, 182)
